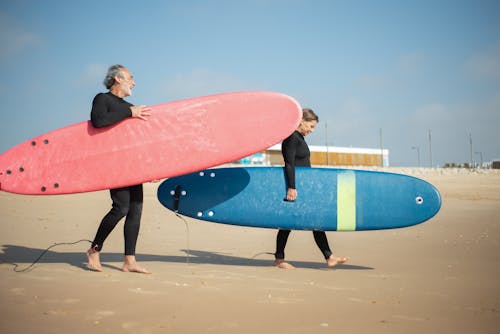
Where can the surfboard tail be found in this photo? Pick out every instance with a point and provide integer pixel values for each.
(2, 175)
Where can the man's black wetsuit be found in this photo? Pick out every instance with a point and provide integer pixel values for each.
(109, 109)
(296, 153)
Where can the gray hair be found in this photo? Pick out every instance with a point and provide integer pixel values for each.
(113, 71)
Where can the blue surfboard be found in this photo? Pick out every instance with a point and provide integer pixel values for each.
(328, 199)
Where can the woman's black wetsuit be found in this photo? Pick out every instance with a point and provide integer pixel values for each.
(296, 153)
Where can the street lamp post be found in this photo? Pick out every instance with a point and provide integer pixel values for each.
(381, 150)
(430, 148)
(471, 157)
(418, 153)
(481, 158)
(326, 144)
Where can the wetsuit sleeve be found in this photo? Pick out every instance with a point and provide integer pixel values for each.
(106, 111)
(289, 149)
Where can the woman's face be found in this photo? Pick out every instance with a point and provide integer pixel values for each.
(306, 127)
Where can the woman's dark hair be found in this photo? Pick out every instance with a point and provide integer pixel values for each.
(309, 115)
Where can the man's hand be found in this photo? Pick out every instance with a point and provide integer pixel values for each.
(141, 112)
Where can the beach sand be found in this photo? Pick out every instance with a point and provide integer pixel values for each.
(441, 276)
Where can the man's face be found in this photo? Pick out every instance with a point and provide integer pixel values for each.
(126, 82)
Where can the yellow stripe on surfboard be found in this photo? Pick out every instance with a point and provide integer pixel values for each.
(346, 201)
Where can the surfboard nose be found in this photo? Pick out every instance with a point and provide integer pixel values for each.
(427, 201)
(434, 201)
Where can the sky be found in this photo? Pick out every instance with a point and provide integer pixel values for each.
(419, 78)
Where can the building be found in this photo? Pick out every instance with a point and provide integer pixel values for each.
(326, 156)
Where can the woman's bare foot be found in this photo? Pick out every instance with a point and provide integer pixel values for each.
(130, 265)
(335, 260)
(282, 264)
(94, 262)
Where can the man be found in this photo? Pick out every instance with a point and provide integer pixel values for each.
(108, 109)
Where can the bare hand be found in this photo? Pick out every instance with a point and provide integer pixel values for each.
(291, 194)
(140, 112)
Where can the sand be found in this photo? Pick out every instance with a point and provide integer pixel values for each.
(438, 277)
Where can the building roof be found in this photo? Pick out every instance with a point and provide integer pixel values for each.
(336, 149)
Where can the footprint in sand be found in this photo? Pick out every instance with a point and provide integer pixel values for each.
(104, 313)
(71, 301)
(131, 326)
(18, 291)
(363, 301)
(56, 312)
(141, 291)
(409, 318)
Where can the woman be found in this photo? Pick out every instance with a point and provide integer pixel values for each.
(296, 153)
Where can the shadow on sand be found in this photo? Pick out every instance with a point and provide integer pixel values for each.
(23, 257)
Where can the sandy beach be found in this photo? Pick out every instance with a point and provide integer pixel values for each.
(441, 276)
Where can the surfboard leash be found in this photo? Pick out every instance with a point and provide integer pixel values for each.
(176, 197)
(43, 253)
(187, 234)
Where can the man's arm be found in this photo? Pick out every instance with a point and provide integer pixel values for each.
(106, 112)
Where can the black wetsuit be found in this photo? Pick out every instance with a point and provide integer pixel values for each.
(296, 153)
(108, 109)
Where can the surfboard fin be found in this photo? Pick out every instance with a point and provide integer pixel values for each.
(177, 195)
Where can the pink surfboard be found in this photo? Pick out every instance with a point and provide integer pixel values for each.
(179, 137)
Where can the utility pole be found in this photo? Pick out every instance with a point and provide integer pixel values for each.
(326, 144)
(430, 147)
(381, 150)
(471, 157)
(481, 157)
(418, 153)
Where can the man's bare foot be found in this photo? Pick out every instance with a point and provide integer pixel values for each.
(335, 260)
(131, 266)
(94, 262)
(283, 265)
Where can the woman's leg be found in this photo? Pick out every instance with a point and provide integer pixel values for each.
(322, 242)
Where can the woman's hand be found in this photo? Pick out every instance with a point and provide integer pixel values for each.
(291, 194)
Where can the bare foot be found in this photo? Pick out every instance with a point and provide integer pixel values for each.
(131, 266)
(134, 269)
(335, 260)
(283, 265)
(94, 262)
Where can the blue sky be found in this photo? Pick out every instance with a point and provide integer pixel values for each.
(396, 68)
